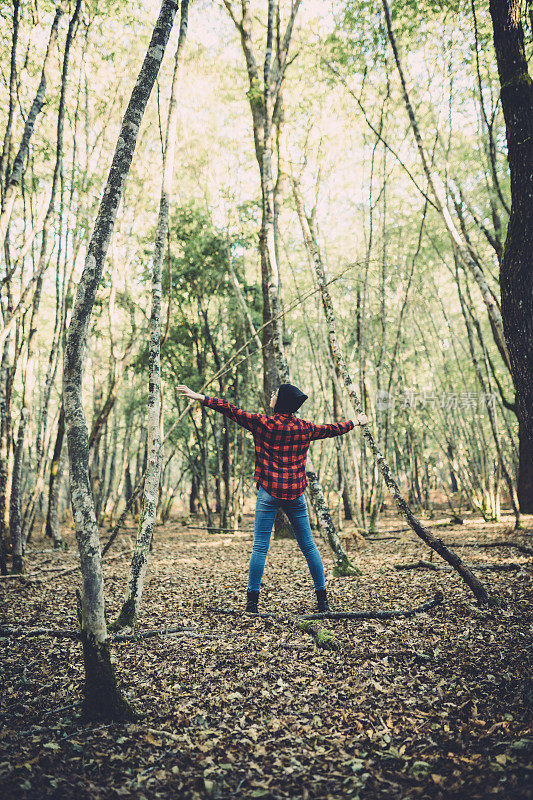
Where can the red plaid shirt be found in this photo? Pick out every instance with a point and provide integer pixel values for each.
(281, 444)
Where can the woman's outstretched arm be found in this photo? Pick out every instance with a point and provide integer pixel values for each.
(243, 418)
(335, 428)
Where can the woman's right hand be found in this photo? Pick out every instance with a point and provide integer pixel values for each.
(186, 392)
(362, 419)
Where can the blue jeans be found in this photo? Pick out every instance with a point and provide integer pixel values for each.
(266, 509)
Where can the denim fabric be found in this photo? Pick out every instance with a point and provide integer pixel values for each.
(266, 509)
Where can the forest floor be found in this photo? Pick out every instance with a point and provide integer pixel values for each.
(434, 706)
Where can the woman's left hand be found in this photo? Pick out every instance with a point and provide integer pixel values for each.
(186, 392)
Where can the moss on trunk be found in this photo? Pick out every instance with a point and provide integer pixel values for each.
(126, 618)
(344, 568)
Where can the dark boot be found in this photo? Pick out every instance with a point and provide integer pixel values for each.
(251, 605)
(322, 600)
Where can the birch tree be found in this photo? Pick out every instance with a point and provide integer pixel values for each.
(102, 698)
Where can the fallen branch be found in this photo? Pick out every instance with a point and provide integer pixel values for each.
(381, 538)
(418, 565)
(215, 528)
(42, 573)
(57, 633)
(439, 598)
(168, 734)
(509, 567)
(528, 551)
(60, 633)
(409, 612)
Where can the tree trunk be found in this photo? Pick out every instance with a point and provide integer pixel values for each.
(18, 164)
(102, 699)
(193, 496)
(440, 204)
(436, 544)
(516, 274)
(139, 563)
(4, 158)
(6, 380)
(264, 106)
(52, 517)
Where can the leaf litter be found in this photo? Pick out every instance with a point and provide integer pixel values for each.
(435, 706)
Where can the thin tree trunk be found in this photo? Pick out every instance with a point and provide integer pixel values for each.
(12, 99)
(102, 698)
(29, 371)
(52, 518)
(139, 563)
(436, 544)
(437, 191)
(38, 102)
(5, 431)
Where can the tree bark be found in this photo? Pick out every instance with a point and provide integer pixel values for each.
(102, 698)
(12, 98)
(516, 273)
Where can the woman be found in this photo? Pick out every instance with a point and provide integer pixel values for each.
(281, 444)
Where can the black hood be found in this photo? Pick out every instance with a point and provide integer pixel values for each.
(290, 398)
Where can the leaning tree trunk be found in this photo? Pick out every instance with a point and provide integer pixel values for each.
(139, 563)
(38, 102)
(516, 273)
(436, 544)
(102, 698)
(6, 147)
(29, 371)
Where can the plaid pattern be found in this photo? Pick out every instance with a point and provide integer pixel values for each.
(281, 444)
